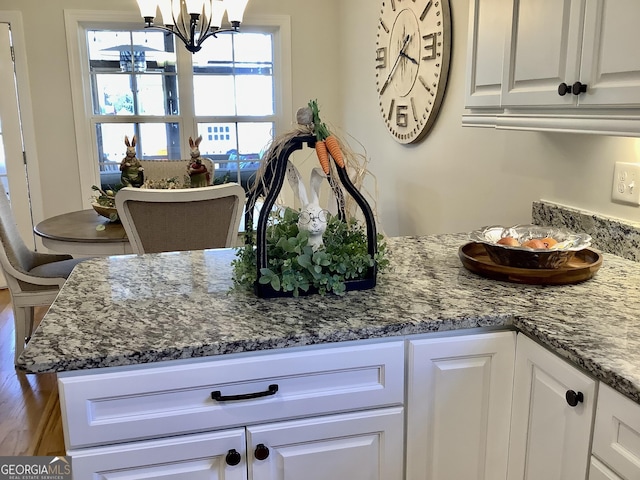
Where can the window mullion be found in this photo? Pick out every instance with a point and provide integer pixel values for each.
(188, 124)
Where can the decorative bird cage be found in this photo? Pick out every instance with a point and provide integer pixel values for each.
(269, 187)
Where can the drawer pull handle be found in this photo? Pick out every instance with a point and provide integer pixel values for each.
(233, 457)
(574, 398)
(218, 397)
(262, 452)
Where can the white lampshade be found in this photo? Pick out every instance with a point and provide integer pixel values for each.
(166, 12)
(235, 9)
(195, 6)
(217, 12)
(147, 8)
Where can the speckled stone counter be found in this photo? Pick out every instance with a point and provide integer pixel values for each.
(136, 309)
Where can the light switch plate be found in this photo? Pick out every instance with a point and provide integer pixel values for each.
(626, 183)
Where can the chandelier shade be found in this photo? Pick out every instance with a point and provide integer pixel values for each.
(193, 21)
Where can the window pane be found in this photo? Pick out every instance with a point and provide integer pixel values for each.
(113, 95)
(153, 98)
(214, 49)
(253, 47)
(214, 95)
(159, 141)
(254, 95)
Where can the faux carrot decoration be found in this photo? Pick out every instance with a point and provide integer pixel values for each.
(323, 155)
(326, 143)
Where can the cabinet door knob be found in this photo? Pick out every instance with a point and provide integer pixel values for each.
(262, 452)
(563, 89)
(573, 398)
(233, 457)
(578, 88)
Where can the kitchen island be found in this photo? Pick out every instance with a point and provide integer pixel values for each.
(126, 310)
(164, 368)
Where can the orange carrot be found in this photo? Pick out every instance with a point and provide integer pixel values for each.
(334, 150)
(323, 155)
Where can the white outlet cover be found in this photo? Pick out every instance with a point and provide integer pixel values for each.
(626, 183)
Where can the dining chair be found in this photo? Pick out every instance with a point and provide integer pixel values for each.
(34, 278)
(157, 220)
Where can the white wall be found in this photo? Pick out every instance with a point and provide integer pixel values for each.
(456, 179)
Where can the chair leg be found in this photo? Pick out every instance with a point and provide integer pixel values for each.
(23, 321)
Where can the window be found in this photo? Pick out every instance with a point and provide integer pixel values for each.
(136, 81)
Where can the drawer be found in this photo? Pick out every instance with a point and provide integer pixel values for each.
(616, 436)
(114, 405)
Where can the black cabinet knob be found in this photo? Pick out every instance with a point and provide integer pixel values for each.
(563, 89)
(233, 457)
(573, 398)
(261, 452)
(578, 88)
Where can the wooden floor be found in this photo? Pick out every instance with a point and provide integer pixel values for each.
(29, 410)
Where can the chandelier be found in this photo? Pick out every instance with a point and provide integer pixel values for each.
(193, 21)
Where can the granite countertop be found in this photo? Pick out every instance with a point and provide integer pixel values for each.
(128, 309)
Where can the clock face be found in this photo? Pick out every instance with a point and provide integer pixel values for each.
(413, 49)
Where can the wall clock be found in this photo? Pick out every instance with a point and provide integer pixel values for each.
(413, 49)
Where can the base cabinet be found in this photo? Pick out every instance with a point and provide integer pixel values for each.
(616, 437)
(355, 446)
(458, 406)
(193, 457)
(552, 413)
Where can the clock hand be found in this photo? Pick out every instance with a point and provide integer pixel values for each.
(412, 60)
(395, 65)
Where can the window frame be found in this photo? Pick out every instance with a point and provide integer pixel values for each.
(78, 22)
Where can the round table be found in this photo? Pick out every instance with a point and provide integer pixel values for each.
(75, 233)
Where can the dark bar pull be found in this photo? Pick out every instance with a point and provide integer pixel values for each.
(218, 397)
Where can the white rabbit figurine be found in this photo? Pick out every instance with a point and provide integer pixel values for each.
(313, 218)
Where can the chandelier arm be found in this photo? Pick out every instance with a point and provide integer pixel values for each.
(176, 32)
(205, 31)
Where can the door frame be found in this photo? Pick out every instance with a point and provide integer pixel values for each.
(14, 19)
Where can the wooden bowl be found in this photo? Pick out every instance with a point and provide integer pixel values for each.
(106, 212)
(558, 255)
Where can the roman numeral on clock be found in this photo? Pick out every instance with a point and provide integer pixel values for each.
(426, 10)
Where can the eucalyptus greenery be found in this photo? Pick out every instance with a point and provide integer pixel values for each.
(293, 265)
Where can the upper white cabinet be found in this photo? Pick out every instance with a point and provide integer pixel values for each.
(555, 49)
(487, 29)
(567, 65)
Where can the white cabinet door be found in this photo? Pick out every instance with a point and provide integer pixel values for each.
(542, 51)
(610, 61)
(599, 471)
(192, 457)
(549, 437)
(566, 41)
(356, 446)
(458, 406)
(616, 436)
(488, 20)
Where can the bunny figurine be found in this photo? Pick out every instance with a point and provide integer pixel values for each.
(132, 172)
(313, 218)
(198, 173)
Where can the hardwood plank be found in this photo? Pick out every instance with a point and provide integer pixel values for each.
(29, 409)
